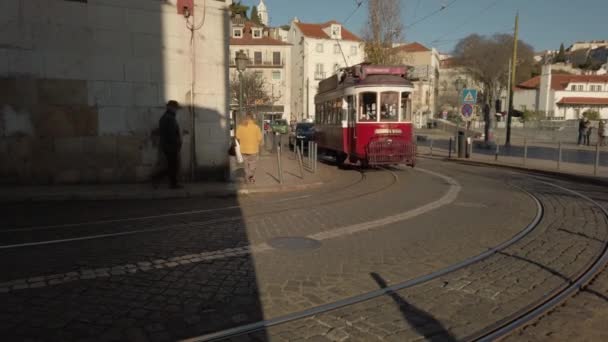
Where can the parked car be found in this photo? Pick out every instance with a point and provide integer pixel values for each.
(304, 132)
(280, 126)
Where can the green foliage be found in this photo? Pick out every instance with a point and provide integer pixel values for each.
(255, 17)
(238, 8)
(561, 55)
(532, 115)
(592, 115)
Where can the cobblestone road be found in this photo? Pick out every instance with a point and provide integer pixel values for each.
(179, 276)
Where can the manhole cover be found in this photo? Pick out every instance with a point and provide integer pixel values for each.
(294, 243)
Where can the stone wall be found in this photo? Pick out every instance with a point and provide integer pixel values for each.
(83, 84)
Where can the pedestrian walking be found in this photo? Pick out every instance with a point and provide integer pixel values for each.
(249, 135)
(588, 132)
(170, 144)
(602, 132)
(582, 126)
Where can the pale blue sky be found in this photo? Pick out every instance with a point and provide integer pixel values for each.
(543, 23)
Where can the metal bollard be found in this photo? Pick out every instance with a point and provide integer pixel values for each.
(280, 170)
(309, 162)
(315, 159)
(559, 155)
(497, 152)
(302, 146)
(450, 149)
(596, 167)
(431, 146)
(299, 158)
(525, 151)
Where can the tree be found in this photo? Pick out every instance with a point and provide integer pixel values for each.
(561, 55)
(384, 27)
(238, 8)
(486, 59)
(592, 115)
(255, 17)
(253, 89)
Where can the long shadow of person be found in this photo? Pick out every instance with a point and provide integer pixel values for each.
(424, 323)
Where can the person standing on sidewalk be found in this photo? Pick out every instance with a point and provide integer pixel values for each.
(170, 143)
(581, 130)
(588, 132)
(249, 135)
(602, 132)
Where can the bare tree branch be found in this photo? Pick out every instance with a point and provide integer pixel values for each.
(384, 27)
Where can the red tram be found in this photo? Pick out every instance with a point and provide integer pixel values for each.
(363, 114)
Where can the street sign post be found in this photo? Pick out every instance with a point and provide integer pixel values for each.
(469, 96)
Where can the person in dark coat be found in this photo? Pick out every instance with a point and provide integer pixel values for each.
(170, 143)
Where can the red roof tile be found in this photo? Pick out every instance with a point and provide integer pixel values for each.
(584, 101)
(247, 38)
(412, 47)
(316, 31)
(561, 81)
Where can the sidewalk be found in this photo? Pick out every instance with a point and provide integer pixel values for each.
(267, 180)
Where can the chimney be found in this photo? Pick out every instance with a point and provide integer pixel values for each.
(544, 96)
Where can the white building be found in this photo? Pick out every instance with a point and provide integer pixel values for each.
(268, 57)
(83, 84)
(563, 97)
(263, 13)
(319, 50)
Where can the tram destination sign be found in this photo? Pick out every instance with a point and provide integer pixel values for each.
(384, 70)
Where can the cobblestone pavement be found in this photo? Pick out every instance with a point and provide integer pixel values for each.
(187, 275)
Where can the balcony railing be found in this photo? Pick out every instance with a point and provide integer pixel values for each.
(264, 63)
(320, 75)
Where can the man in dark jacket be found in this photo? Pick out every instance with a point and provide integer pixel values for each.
(170, 142)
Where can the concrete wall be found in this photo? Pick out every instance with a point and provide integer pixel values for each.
(83, 84)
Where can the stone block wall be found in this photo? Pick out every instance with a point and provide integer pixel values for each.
(83, 84)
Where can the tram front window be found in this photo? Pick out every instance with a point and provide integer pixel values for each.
(368, 107)
(389, 102)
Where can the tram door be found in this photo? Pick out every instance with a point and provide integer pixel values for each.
(351, 125)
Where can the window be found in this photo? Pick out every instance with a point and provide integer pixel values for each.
(337, 49)
(276, 58)
(368, 107)
(353, 50)
(389, 102)
(406, 107)
(581, 87)
(573, 88)
(336, 31)
(257, 33)
(319, 73)
(276, 75)
(257, 57)
(319, 47)
(237, 33)
(259, 74)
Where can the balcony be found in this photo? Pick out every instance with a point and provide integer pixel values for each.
(263, 63)
(319, 75)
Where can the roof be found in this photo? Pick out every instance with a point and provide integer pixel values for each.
(316, 31)
(449, 63)
(247, 38)
(584, 101)
(412, 47)
(561, 81)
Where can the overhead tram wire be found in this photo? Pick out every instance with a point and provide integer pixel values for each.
(483, 10)
(442, 8)
(359, 3)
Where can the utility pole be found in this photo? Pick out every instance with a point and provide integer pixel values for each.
(513, 80)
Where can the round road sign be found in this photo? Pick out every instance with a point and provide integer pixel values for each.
(467, 110)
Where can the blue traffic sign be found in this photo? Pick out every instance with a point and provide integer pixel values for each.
(469, 96)
(467, 110)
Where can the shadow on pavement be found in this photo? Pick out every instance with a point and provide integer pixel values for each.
(430, 328)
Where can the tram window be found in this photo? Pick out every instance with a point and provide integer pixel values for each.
(389, 106)
(338, 111)
(368, 107)
(406, 107)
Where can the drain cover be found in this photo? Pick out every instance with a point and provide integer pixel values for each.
(294, 243)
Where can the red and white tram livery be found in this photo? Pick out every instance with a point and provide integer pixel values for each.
(363, 114)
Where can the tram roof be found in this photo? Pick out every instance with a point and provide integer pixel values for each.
(366, 75)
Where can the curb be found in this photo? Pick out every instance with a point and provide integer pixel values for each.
(562, 175)
(229, 191)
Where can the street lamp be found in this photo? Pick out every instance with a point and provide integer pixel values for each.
(241, 64)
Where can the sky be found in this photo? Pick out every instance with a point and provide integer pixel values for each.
(544, 24)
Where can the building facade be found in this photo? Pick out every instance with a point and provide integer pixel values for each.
(425, 63)
(319, 50)
(563, 97)
(270, 58)
(83, 84)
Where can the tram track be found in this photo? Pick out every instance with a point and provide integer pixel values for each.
(346, 195)
(491, 332)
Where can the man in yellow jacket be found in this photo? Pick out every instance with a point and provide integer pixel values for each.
(249, 136)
